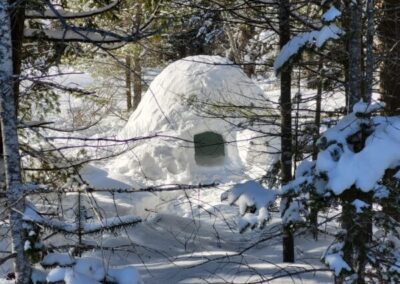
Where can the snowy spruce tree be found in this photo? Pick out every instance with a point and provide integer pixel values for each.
(357, 167)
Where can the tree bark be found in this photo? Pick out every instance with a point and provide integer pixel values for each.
(356, 225)
(389, 33)
(8, 121)
(137, 71)
(286, 125)
(128, 82)
(137, 80)
(355, 51)
(369, 68)
(17, 37)
(317, 122)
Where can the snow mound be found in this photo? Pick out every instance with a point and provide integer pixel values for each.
(93, 270)
(210, 79)
(193, 145)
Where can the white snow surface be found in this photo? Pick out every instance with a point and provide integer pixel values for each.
(365, 168)
(316, 38)
(61, 259)
(332, 14)
(336, 262)
(31, 214)
(91, 270)
(173, 107)
(186, 237)
(334, 259)
(250, 194)
(359, 205)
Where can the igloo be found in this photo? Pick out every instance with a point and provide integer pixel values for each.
(177, 104)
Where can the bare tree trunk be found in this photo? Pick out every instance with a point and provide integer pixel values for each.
(128, 82)
(137, 80)
(355, 51)
(17, 37)
(15, 195)
(137, 71)
(317, 122)
(357, 226)
(286, 126)
(389, 33)
(369, 70)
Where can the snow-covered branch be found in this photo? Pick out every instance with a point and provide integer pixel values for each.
(78, 34)
(108, 224)
(50, 14)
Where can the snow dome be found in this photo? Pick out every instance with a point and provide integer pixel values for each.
(178, 104)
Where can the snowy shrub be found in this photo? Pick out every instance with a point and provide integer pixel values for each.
(357, 168)
(253, 201)
(77, 225)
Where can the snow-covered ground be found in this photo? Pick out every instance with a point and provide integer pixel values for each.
(186, 236)
(194, 239)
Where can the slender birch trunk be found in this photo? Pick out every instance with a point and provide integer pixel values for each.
(11, 147)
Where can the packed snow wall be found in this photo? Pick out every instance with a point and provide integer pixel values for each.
(189, 102)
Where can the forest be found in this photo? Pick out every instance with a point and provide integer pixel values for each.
(199, 141)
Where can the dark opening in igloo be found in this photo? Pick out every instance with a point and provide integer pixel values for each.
(209, 148)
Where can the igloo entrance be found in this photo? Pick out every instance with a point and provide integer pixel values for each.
(209, 148)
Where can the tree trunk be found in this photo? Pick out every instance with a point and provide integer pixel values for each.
(369, 69)
(317, 122)
(11, 147)
(286, 126)
(356, 225)
(137, 80)
(17, 37)
(137, 71)
(128, 82)
(389, 33)
(355, 51)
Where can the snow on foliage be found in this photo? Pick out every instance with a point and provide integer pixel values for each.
(60, 259)
(331, 15)
(253, 201)
(339, 165)
(333, 257)
(32, 215)
(356, 163)
(344, 167)
(315, 38)
(359, 205)
(92, 270)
